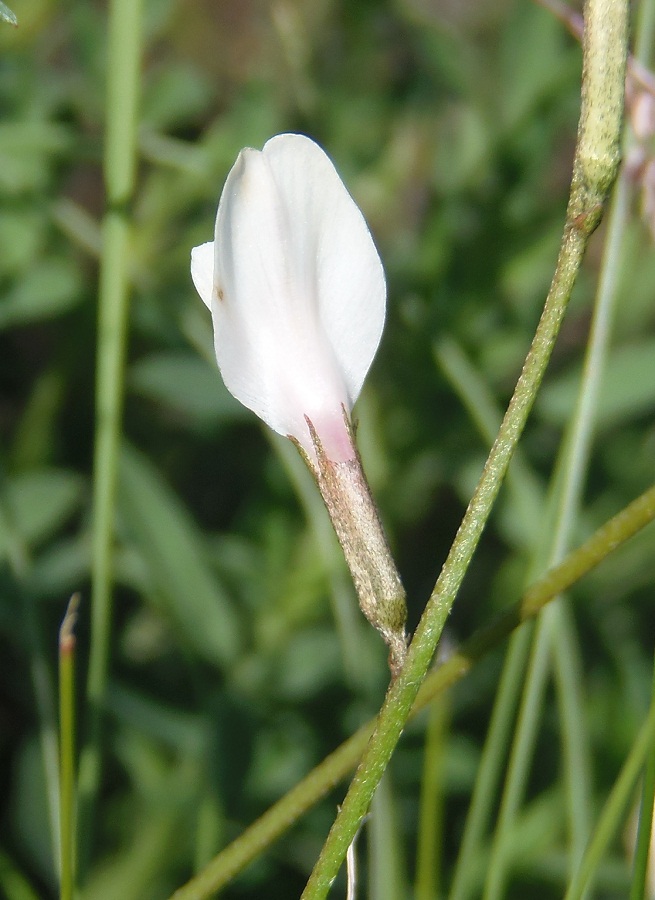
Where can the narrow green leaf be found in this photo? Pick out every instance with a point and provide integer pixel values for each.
(41, 501)
(154, 520)
(46, 290)
(186, 385)
(627, 389)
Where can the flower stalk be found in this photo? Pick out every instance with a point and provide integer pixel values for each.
(356, 522)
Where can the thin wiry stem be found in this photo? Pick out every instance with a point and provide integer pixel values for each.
(594, 170)
(123, 83)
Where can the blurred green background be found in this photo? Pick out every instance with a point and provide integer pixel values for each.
(239, 658)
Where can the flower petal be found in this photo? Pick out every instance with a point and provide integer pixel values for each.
(296, 290)
(202, 271)
(270, 345)
(327, 229)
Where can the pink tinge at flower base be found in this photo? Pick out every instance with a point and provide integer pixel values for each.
(297, 295)
(296, 290)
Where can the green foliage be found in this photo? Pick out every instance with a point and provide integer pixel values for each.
(230, 677)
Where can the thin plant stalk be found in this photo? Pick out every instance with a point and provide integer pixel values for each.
(569, 482)
(614, 810)
(386, 876)
(431, 804)
(524, 489)
(491, 761)
(640, 869)
(67, 876)
(346, 615)
(595, 166)
(123, 83)
(569, 485)
(526, 727)
(526, 502)
(644, 31)
(283, 814)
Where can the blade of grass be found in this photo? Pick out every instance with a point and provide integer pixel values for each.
(386, 877)
(527, 724)
(491, 761)
(13, 882)
(527, 502)
(67, 750)
(645, 829)
(123, 78)
(431, 807)
(523, 486)
(614, 810)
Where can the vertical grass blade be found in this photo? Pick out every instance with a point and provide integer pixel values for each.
(614, 810)
(640, 872)
(123, 77)
(431, 809)
(67, 750)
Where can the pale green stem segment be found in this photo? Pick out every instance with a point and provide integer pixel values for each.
(568, 484)
(431, 807)
(555, 646)
(229, 862)
(644, 31)
(386, 875)
(527, 502)
(594, 170)
(614, 810)
(123, 77)
(67, 751)
(527, 505)
(639, 886)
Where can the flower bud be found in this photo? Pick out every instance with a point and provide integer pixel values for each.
(297, 295)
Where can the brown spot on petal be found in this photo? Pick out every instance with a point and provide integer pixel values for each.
(219, 293)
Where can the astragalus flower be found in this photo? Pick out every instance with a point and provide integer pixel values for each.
(297, 295)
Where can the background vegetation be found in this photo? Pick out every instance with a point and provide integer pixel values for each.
(238, 656)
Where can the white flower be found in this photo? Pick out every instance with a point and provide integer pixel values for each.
(296, 291)
(297, 296)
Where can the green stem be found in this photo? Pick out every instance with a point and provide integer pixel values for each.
(575, 749)
(229, 862)
(527, 724)
(431, 808)
(614, 809)
(645, 829)
(594, 170)
(644, 31)
(525, 496)
(491, 762)
(67, 750)
(386, 876)
(552, 636)
(123, 66)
